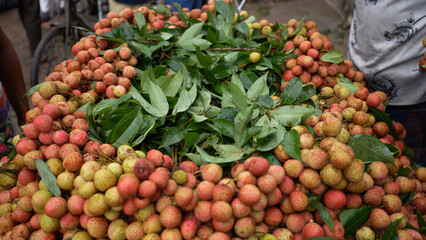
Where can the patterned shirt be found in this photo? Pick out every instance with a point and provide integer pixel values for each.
(385, 43)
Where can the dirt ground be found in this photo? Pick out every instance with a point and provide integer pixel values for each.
(328, 16)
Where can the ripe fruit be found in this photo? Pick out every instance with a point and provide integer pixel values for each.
(334, 199)
(379, 219)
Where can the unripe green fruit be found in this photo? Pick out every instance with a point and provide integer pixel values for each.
(180, 177)
(254, 57)
(125, 151)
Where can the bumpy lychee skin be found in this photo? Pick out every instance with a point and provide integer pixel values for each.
(392, 203)
(374, 196)
(221, 211)
(249, 194)
(365, 233)
(134, 231)
(310, 178)
(295, 222)
(171, 217)
(378, 170)
(299, 201)
(340, 159)
(332, 127)
(258, 166)
(334, 199)
(379, 219)
(128, 186)
(244, 227)
(211, 172)
(43, 123)
(156, 157)
(56, 207)
(312, 230)
(330, 175)
(405, 184)
(293, 168)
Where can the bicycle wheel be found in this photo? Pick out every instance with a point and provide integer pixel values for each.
(51, 51)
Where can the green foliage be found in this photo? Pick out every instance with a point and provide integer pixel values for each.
(325, 215)
(353, 219)
(47, 176)
(333, 57)
(369, 149)
(391, 231)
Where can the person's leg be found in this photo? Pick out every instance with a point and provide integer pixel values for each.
(29, 12)
(414, 120)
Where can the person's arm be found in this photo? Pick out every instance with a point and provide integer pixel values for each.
(12, 79)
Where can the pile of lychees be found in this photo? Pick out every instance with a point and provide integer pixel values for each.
(124, 193)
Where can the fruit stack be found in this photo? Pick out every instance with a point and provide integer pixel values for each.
(205, 124)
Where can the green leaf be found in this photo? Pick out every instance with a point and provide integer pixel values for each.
(353, 219)
(231, 152)
(291, 144)
(126, 129)
(185, 100)
(347, 83)
(147, 125)
(273, 140)
(266, 102)
(142, 48)
(408, 152)
(394, 150)
(171, 136)
(126, 31)
(225, 127)
(291, 91)
(182, 15)
(248, 78)
(140, 19)
(421, 221)
(158, 99)
(240, 123)
(391, 233)
(144, 103)
(308, 91)
(300, 25)
(204, 60)
(191, 32)
(406, 197)
(164, 10)
(403, 171)
(190, 43)
(291, 115)
(270, 157)
(174, 85)
(333, 57)
(47, 176)
(259, 88)
(196, 158)
(383, 117)
(226, 10)
(237, 96)
(223, 71)
(242, 28)
(32, 90)
(369, 149)
(190, 138)
(218, 160)
(324, 213)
